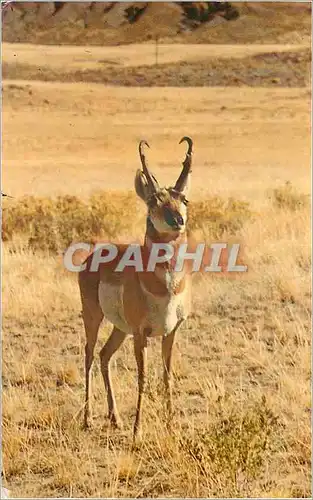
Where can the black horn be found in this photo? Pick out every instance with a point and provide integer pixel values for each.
(152, 183)
(182, 179)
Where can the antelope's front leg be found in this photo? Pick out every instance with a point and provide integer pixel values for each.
(140, 346)
(167, 348)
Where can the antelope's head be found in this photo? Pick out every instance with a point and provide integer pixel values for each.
(167, 207)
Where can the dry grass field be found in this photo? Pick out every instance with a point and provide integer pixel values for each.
(242, 360)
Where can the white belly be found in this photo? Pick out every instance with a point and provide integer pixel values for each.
(111, 303)
(163, 313)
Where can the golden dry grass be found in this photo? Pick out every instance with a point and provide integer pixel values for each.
(47, 224)
(242, 382)
(242, 361)
(77, 138)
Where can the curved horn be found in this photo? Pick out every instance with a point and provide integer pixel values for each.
(189, 142)
(182, 179)
(152, 183)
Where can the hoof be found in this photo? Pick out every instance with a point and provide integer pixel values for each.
(137, 439)
(115, 422)
(86, 425)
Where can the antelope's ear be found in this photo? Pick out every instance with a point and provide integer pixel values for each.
(141, 185)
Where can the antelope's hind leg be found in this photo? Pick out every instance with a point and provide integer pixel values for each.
(113, 343)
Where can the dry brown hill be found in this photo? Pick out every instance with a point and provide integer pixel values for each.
(113, 23)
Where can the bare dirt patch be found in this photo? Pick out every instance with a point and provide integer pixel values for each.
(69, 58)
(282, 69)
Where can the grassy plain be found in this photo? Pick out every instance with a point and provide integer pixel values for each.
(242, 360)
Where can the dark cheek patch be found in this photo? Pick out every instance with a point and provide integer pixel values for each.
(168, 216)
(172, 218)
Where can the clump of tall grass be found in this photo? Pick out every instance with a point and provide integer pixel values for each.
(52, 224)
(287, 197)
(216, 216)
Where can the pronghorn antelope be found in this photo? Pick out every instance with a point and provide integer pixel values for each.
(142, 304)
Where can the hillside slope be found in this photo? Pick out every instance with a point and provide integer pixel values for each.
(112, 23)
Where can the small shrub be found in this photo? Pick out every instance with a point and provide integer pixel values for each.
(235, 445)
(191, 11)
(204, 12)
(231, 12)
(134, 12)
(287, 197)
